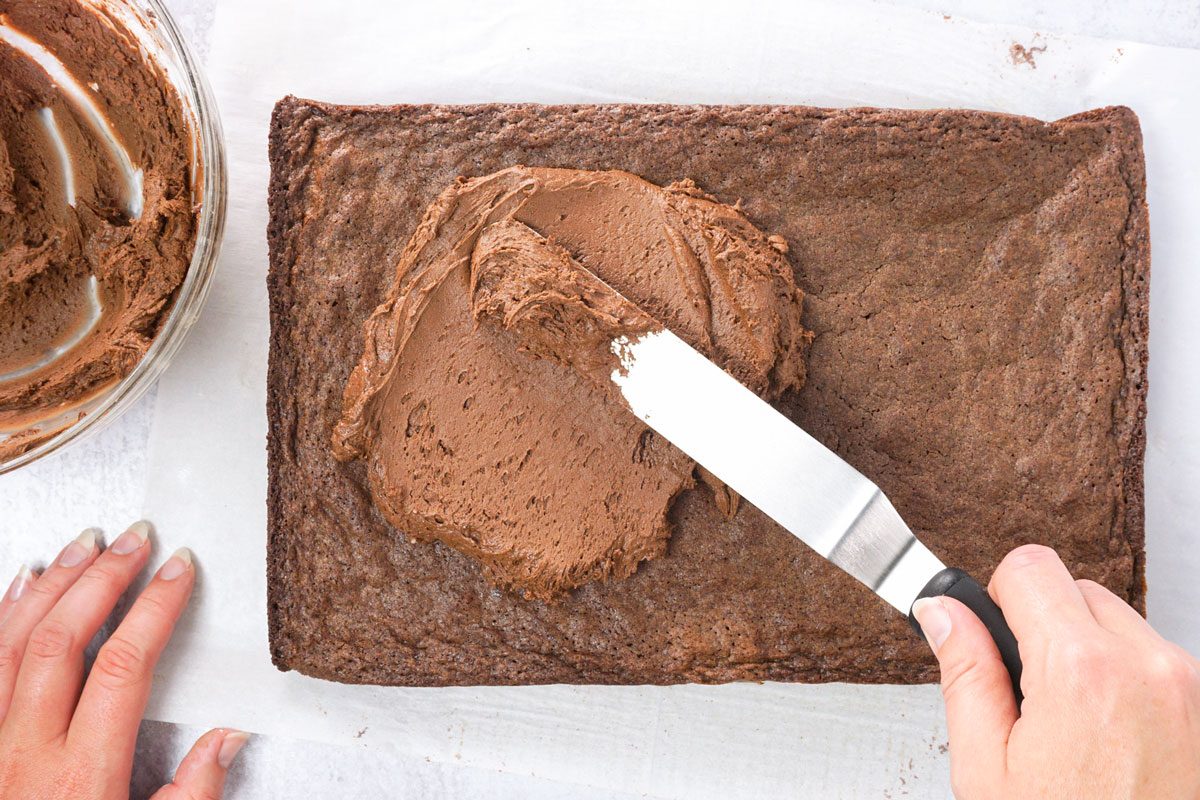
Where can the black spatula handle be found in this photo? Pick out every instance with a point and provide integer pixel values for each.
(963, 588)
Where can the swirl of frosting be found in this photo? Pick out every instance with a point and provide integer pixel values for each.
(481, 403)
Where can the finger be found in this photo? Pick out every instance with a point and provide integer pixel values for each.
(1113, 613)
(201, 774)
(980, 707)
(20, 584)
(116, 691)
(33, 605)
(52, 670)
(1038, 595)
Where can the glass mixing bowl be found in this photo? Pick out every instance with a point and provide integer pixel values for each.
(160, 37)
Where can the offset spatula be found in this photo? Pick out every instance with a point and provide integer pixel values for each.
(794, 479)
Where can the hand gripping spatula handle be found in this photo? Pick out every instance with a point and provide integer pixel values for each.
(951, 582)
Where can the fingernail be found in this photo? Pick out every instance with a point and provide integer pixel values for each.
(131, 539)
(934, 620)
(232, 745)
(78, 551)
(20, 584)
(179, 563)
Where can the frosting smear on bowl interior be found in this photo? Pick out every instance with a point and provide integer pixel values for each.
(98, 210)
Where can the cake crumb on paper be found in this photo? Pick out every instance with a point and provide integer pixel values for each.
(1020, 54)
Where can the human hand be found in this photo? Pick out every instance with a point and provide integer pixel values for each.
(1111, 710)
(59, 742)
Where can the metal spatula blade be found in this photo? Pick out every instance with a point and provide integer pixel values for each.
(791, 477)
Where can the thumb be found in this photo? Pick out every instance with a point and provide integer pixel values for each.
(980, 707)
(201, 774)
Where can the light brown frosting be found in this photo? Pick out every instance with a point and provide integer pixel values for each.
(482, 404)
(75, 226)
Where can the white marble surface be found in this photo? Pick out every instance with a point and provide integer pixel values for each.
(100, 482)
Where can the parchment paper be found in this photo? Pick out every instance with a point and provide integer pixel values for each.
(208, 466)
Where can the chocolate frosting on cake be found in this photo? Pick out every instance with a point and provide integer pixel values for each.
(481, 402)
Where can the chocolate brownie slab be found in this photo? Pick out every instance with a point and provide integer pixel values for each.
(977, 284)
